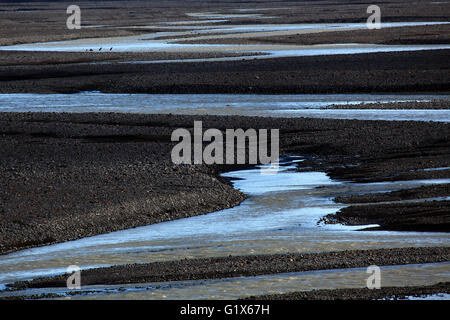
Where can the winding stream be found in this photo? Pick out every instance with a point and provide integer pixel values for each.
(175, 41)
(281, 215)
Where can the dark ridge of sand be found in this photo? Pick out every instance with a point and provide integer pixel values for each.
(432, 105)
(41, 58)
(428, 216)
(64, 180)
(399, 72)
(428, 191)
(68, 176)
(397, 164)
(385, 293)
(240, 266)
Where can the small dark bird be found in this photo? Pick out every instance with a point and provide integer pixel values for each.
(100, 49)
(110, 49)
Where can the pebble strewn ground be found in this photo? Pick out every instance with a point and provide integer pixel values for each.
(67, 176)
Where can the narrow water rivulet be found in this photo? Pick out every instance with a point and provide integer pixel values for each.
(280, 215)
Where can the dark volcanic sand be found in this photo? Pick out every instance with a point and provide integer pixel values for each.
(239, 266)
(46, 21)
(419, 71)
(426, 71)
(428, 191)
(67, 176)
(428, 216)
(40, 58)
(70, 176)
(390, 293)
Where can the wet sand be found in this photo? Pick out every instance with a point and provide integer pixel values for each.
(240, 266)
(39, 22)
(423, 192)
(399, 72)
(21, 58)
(420, 71)
(385, 293)
(426, 216)
(118, 158)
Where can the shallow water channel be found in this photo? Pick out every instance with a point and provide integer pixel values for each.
(176, 41)
(281, 215)
(295, 105)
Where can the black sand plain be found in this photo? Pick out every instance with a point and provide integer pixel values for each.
(67, 176)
